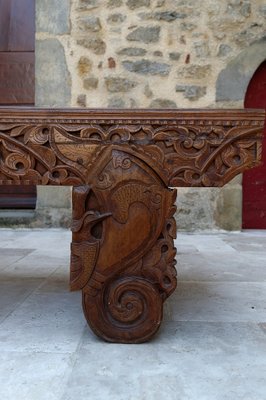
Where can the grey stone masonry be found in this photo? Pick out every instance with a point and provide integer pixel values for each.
(84, 66)
(133, 4)
(90, 83)
(162, 103)
(84, 5)
(146, 67)
(145, 34)
(174, 56)
(168, 16)
(232, 81)
(53, 81)
(194, 71)
(82, 100)
(56, 22)
(95, 44)
(116, 18)
(192, 92)
(132, 52)
(89, 24)
(116, 84)
(114, 3)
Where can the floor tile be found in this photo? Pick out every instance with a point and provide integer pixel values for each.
(199, 361)
(33, 376)
(14, 292)
(51, 320)
(215, 301)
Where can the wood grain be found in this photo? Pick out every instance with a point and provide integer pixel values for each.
(17, 25)
(17, 78)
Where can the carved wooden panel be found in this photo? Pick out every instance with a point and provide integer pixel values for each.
(121, 164)
(199, 148)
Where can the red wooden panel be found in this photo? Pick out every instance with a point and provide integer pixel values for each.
(17, 43)
(5, 11)
(254, 181)
(17, 78)
(17, 25)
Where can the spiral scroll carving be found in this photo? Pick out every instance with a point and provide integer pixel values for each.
(130, 310)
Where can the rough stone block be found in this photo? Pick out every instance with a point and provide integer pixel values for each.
(88, 4)
(116, 102)
(174, 56)
(262, 10)
(95, 44)
(114, 3)
(117, 84)
(116, 18)
(56, 22)
(132, 52)
(158, 53)
(147, 67)
(84, 66)
(232, 81)
(192, 92)
(228, 212)
(163, 103)
(90, 83)
(82, 100)
(147, 91)
(168, 16)
(245, 37)
(239, 8)
(188, 26)
(89, 23)
(224, 50)
(202, 49)
(133, 4)
(53, 82)
(195, 71)
(145, 34)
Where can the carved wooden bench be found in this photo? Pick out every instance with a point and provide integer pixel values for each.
(121, 164)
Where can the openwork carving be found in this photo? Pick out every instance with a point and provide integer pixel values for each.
(185, 149)
(121, 164)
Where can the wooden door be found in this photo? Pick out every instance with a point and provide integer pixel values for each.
(254, 181)
(17, 39)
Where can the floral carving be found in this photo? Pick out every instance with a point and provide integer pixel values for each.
(201, 149)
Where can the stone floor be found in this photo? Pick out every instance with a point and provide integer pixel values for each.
(212, 344)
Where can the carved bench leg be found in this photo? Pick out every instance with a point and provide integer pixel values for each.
(122, 253)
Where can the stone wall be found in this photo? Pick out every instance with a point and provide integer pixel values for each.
(150, 53)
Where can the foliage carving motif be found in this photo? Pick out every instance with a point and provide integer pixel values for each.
(183, 152)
